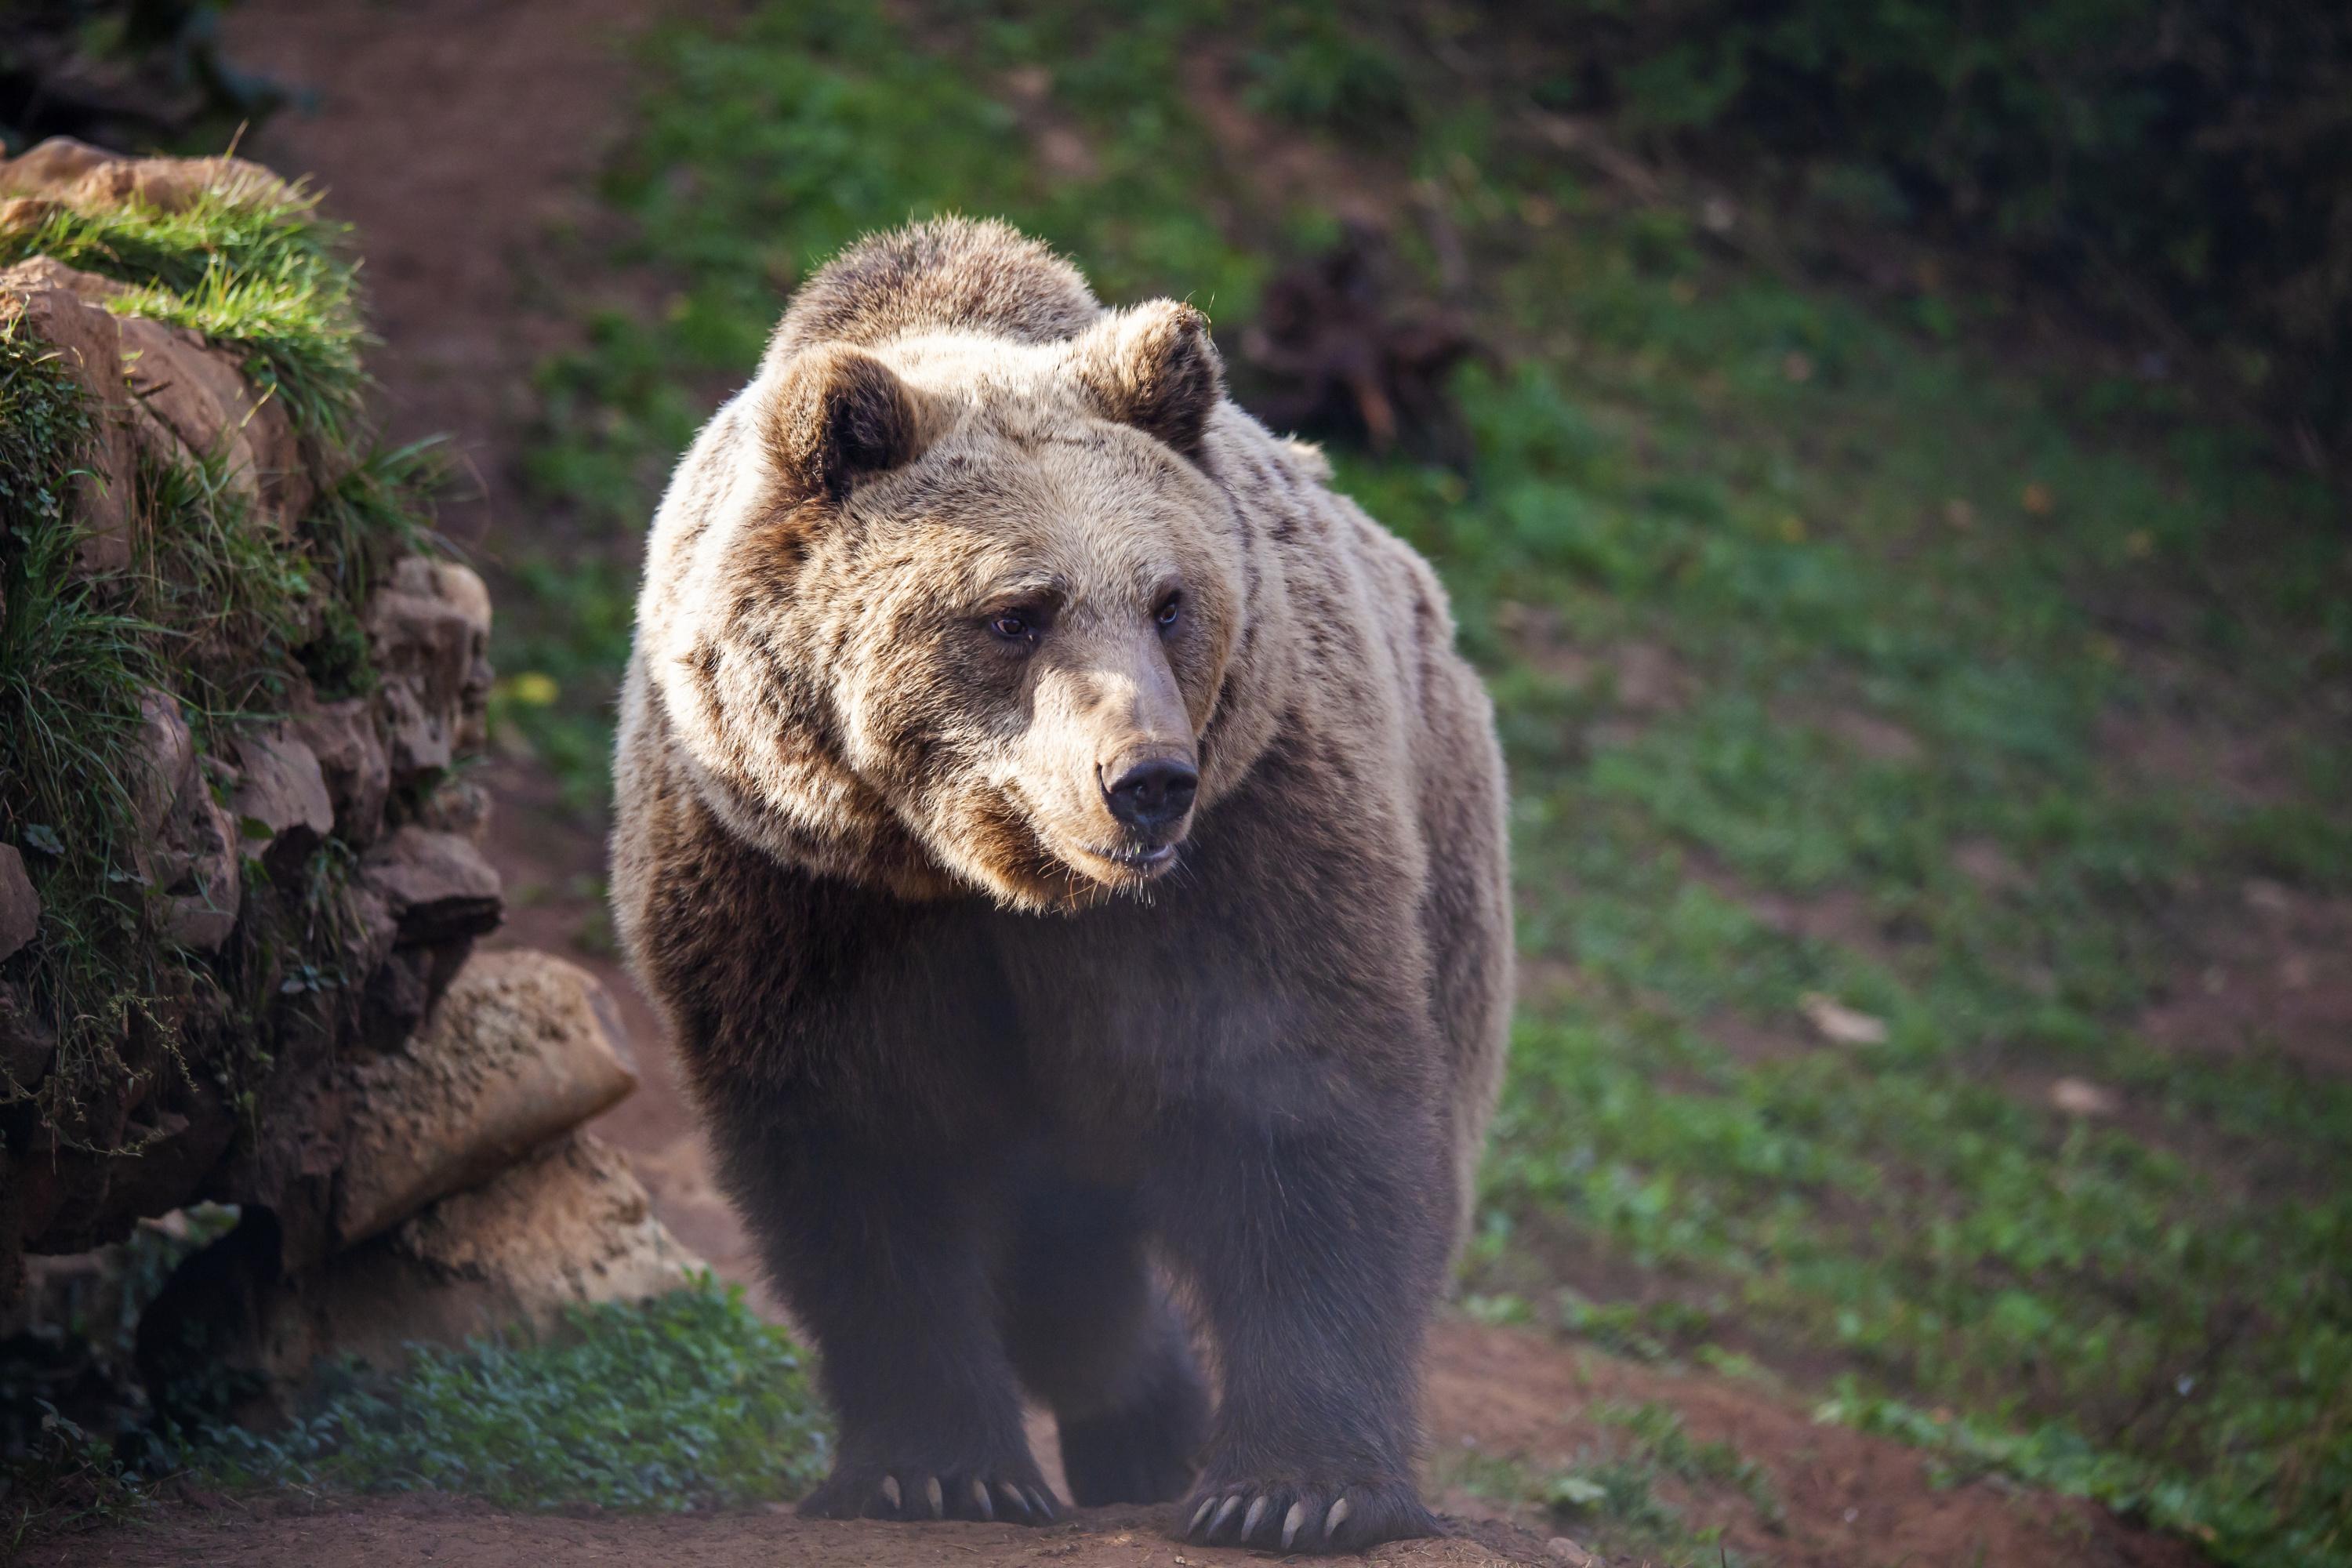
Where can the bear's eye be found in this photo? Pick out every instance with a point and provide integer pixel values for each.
(1168, 608)
(1014, 626)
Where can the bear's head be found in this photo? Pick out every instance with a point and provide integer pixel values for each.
(970, 624)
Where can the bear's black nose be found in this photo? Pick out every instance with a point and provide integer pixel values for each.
(1153, 793)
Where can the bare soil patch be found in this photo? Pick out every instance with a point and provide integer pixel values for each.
(2193, 752)
(1835, 917)
(459, 140)
(2271, 972)
(456, 1533)
(1850, 1498)
(1640, 679)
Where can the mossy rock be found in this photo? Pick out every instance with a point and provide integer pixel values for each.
(213, 676)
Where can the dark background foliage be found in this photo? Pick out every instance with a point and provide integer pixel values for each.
(2182, 165)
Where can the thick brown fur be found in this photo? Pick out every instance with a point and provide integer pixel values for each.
(1070, 855)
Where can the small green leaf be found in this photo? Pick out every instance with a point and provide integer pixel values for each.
(1572, 1492)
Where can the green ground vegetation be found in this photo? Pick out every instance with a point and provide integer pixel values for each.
(684, 1401)
(253, 268)
(73, 663)
(1821, 632)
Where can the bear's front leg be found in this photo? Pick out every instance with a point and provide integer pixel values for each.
(1316, 1228)
(882, 1250)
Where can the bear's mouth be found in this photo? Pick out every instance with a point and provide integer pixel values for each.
(1133, 862)
(1140, 857)
(1057, 857)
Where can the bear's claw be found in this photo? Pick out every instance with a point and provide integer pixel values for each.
(965, 1496)
(1310, 1518)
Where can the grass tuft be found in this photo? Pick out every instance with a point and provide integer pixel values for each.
(686, 1401)
(73, 665)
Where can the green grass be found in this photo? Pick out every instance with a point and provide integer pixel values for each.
(686, 1401)
(2175, 1295)
(1903, 592)
(74, 660)
(268, 277)
(299, 335)
(230, 600)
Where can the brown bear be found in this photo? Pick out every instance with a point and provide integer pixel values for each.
(1070, 855)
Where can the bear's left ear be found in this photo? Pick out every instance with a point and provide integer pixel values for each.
(1153, 366)
(837, 414)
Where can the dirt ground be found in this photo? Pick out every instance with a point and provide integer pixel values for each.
(1851, 1501)
(460, 140)
(449, 1531)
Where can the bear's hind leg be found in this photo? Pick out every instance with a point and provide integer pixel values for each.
(883, 1256)
(1144, 1446)
(1093, 1334)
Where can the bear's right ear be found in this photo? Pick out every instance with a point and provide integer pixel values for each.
(838, 414)
(1153, 366)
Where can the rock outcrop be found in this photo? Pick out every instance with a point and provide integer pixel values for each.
(430, 630)
(20, 907)
(187, 843)
(523, 1048)
(393, 1115)
(76, 174)
(569, 1226)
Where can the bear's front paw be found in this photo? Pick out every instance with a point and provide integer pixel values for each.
(915, 1491)
(1304, 1516)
